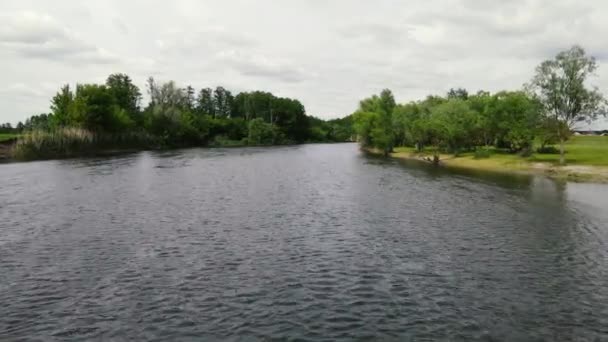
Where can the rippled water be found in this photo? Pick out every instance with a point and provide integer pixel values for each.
(313, 242)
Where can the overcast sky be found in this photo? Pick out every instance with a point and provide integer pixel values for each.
(328, 54)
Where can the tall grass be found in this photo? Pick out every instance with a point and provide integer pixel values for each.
(71, 141)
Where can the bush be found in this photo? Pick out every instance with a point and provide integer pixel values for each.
(224, 141)
(526, 152)
(482, 153)
(547, 150)
(262, 133)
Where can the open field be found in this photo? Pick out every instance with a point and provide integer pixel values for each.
(7, 136)
(580, 150)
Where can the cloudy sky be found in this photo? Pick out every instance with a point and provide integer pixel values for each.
(329, 54)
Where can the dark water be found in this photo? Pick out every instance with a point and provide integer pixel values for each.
(308, 243)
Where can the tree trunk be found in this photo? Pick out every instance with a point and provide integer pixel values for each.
(562, 157)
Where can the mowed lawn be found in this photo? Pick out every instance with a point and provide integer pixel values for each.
(7, 136)
(580, 150)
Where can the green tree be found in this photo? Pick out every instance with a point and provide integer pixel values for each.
(458, 93)
(550, 130)
(261, 133)
(515, 118)
(60, 105)
(560, 84)
(126, 95)
(373, 121)
(451, 125)
(222, 100)
(205, 103)
(94, 108)
(190, 98)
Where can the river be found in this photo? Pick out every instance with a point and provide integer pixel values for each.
(309, 243)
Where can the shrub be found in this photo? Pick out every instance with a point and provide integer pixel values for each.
(482, 153)
(72, 141)
(547, 150)
(526, 152)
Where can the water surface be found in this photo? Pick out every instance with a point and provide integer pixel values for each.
(310, 243)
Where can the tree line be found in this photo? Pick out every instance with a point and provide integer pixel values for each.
(544, 111)
(183, 116)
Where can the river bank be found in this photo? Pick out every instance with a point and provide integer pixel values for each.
(511, 163)
(7, 154)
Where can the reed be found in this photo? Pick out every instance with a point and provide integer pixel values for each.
(71, 141)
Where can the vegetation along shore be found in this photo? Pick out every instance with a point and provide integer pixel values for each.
(96, 118)
(524, 131)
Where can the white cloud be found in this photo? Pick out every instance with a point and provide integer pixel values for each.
(329, 54)
(34, 35)
(250, 64)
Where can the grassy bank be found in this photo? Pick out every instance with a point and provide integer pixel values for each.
(8, 136)
(73, 142)
(586, 157)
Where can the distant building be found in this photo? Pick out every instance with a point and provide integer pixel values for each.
(597, 127)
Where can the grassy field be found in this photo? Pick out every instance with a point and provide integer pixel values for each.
(7, 136)
(586, 158)
(580, 150)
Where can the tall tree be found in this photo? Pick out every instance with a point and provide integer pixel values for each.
(374, 121)
(126, 94)
(60, 105)
(222, 100)
(205, 103)
(559, 83)
(190, 98)
(458, 93)
(385, 130)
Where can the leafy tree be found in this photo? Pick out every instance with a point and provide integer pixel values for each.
(261, 133)
(222, 100)
(559, 84)
(41, 122)
(374, 121)
(458, 93)
(94, 108)
(205, 102)
(550, 130)
(517, 117)
(364, 123)
(126, 95)
(6, 128)
(451, 124)
(190, 98)
(485, 124)
(60, 105)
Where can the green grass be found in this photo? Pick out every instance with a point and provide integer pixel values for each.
(497, 161)
(580, 150)
(7, 136)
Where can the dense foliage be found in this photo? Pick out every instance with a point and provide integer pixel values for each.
(509, 120)
(452, 123)
(174, 116)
